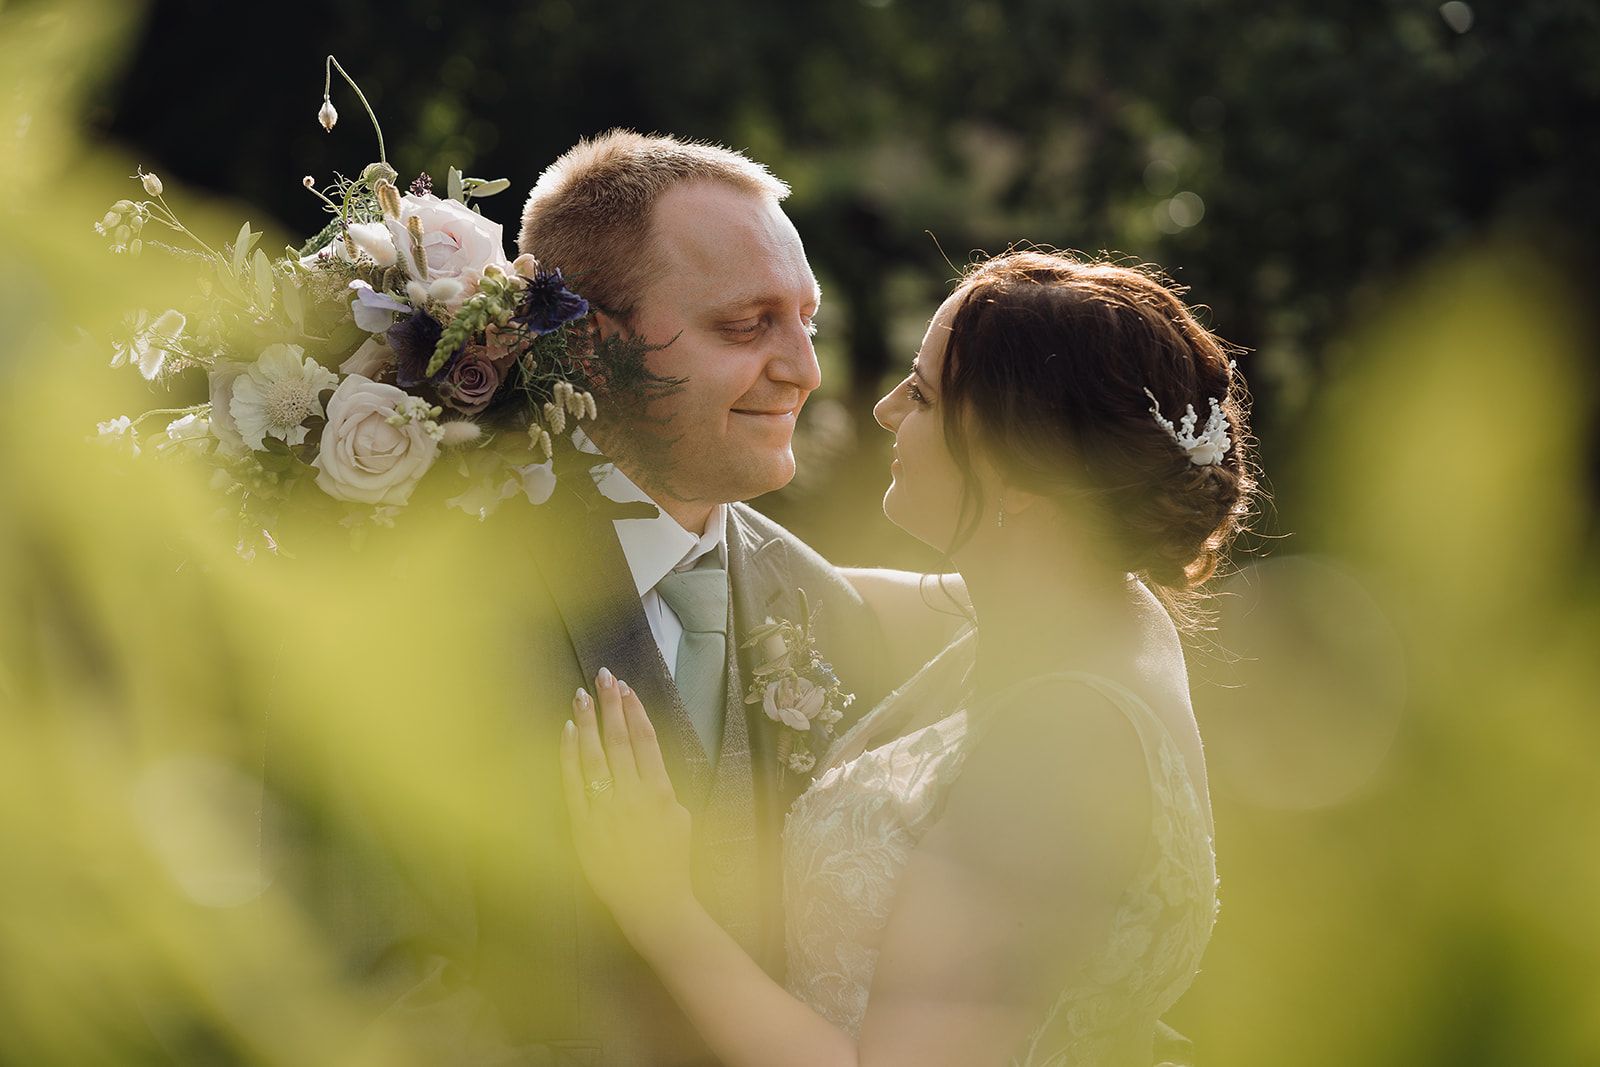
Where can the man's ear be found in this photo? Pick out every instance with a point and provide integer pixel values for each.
(605, 325)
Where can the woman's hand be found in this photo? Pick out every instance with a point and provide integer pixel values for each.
(631, 834)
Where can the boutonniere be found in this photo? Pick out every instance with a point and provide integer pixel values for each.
(796, 687)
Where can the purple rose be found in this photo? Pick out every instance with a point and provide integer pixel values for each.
(471, 382)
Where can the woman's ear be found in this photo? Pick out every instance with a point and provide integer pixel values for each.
(1006, 498)
(1015, 501)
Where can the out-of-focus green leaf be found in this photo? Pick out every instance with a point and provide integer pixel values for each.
(264, 283)
(241, 247)
(293, 305)
(480, 187)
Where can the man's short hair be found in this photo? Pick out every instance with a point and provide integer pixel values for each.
(590, 211)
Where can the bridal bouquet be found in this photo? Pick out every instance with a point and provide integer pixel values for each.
(398, 344)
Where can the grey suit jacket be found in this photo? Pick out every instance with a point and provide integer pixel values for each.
(546, 977)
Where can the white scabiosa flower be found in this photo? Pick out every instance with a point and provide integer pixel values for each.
(277, 394)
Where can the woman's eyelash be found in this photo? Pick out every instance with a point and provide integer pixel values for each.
(914, 392)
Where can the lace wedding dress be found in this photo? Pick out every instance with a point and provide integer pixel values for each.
(851, 834)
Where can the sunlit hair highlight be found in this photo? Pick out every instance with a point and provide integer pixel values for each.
(590, 211)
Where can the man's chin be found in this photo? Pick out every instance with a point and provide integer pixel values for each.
(761, 479)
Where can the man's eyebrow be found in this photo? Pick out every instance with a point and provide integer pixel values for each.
(756, 300)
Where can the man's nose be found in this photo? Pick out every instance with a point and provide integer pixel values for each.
(796, 363)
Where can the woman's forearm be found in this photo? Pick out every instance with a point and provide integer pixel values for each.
(746, 1018)
(919, 614)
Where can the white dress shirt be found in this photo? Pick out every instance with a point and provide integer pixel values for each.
(654, 548)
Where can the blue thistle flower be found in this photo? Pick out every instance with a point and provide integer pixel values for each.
(547, 304)
(413, 340)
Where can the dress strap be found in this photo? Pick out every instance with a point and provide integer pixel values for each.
(935, 692)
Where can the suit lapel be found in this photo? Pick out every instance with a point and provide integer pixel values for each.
(592, 586)
(758, 573)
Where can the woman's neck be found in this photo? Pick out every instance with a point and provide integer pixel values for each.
(1041, 608)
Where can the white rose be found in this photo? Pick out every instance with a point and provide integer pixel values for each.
(793, 702)
(457, 241)
(363, 458)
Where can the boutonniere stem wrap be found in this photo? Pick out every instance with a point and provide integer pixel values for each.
(796, 688)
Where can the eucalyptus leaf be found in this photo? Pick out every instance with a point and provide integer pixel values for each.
(241, 248)
(480, 187)
(457, 191)
(264, 285)
(292, 303)
(229, 282)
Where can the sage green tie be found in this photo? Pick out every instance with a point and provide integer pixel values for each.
(699, 597)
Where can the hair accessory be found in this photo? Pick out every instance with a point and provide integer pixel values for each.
(1208, 447)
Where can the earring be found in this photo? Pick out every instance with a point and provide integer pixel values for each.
(1000, 515)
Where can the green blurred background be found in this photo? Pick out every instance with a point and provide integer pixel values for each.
(1392, 205)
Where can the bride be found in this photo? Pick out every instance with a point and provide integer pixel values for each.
(1009, 860)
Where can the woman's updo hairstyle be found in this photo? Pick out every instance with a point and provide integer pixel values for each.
(1046, 368)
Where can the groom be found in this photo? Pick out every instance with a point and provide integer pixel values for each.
(685, 246)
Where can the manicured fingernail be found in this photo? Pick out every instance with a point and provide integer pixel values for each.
(605, 678)
(582, 698)
(622, 687)
(568, 730)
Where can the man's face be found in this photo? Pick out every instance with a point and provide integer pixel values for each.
(736, 292)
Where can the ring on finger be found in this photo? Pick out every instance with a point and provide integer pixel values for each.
(597, 786)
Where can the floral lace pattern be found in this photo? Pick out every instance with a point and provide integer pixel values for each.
(848, 838)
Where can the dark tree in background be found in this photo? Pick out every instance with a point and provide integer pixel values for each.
(1287, 162)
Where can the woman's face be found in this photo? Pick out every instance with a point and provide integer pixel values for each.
(924, 499)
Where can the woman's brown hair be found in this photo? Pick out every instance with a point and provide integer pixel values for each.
(1048, 360)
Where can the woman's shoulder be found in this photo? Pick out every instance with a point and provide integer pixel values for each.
(1054, 789)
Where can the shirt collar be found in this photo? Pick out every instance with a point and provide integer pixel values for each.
(656, 546)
